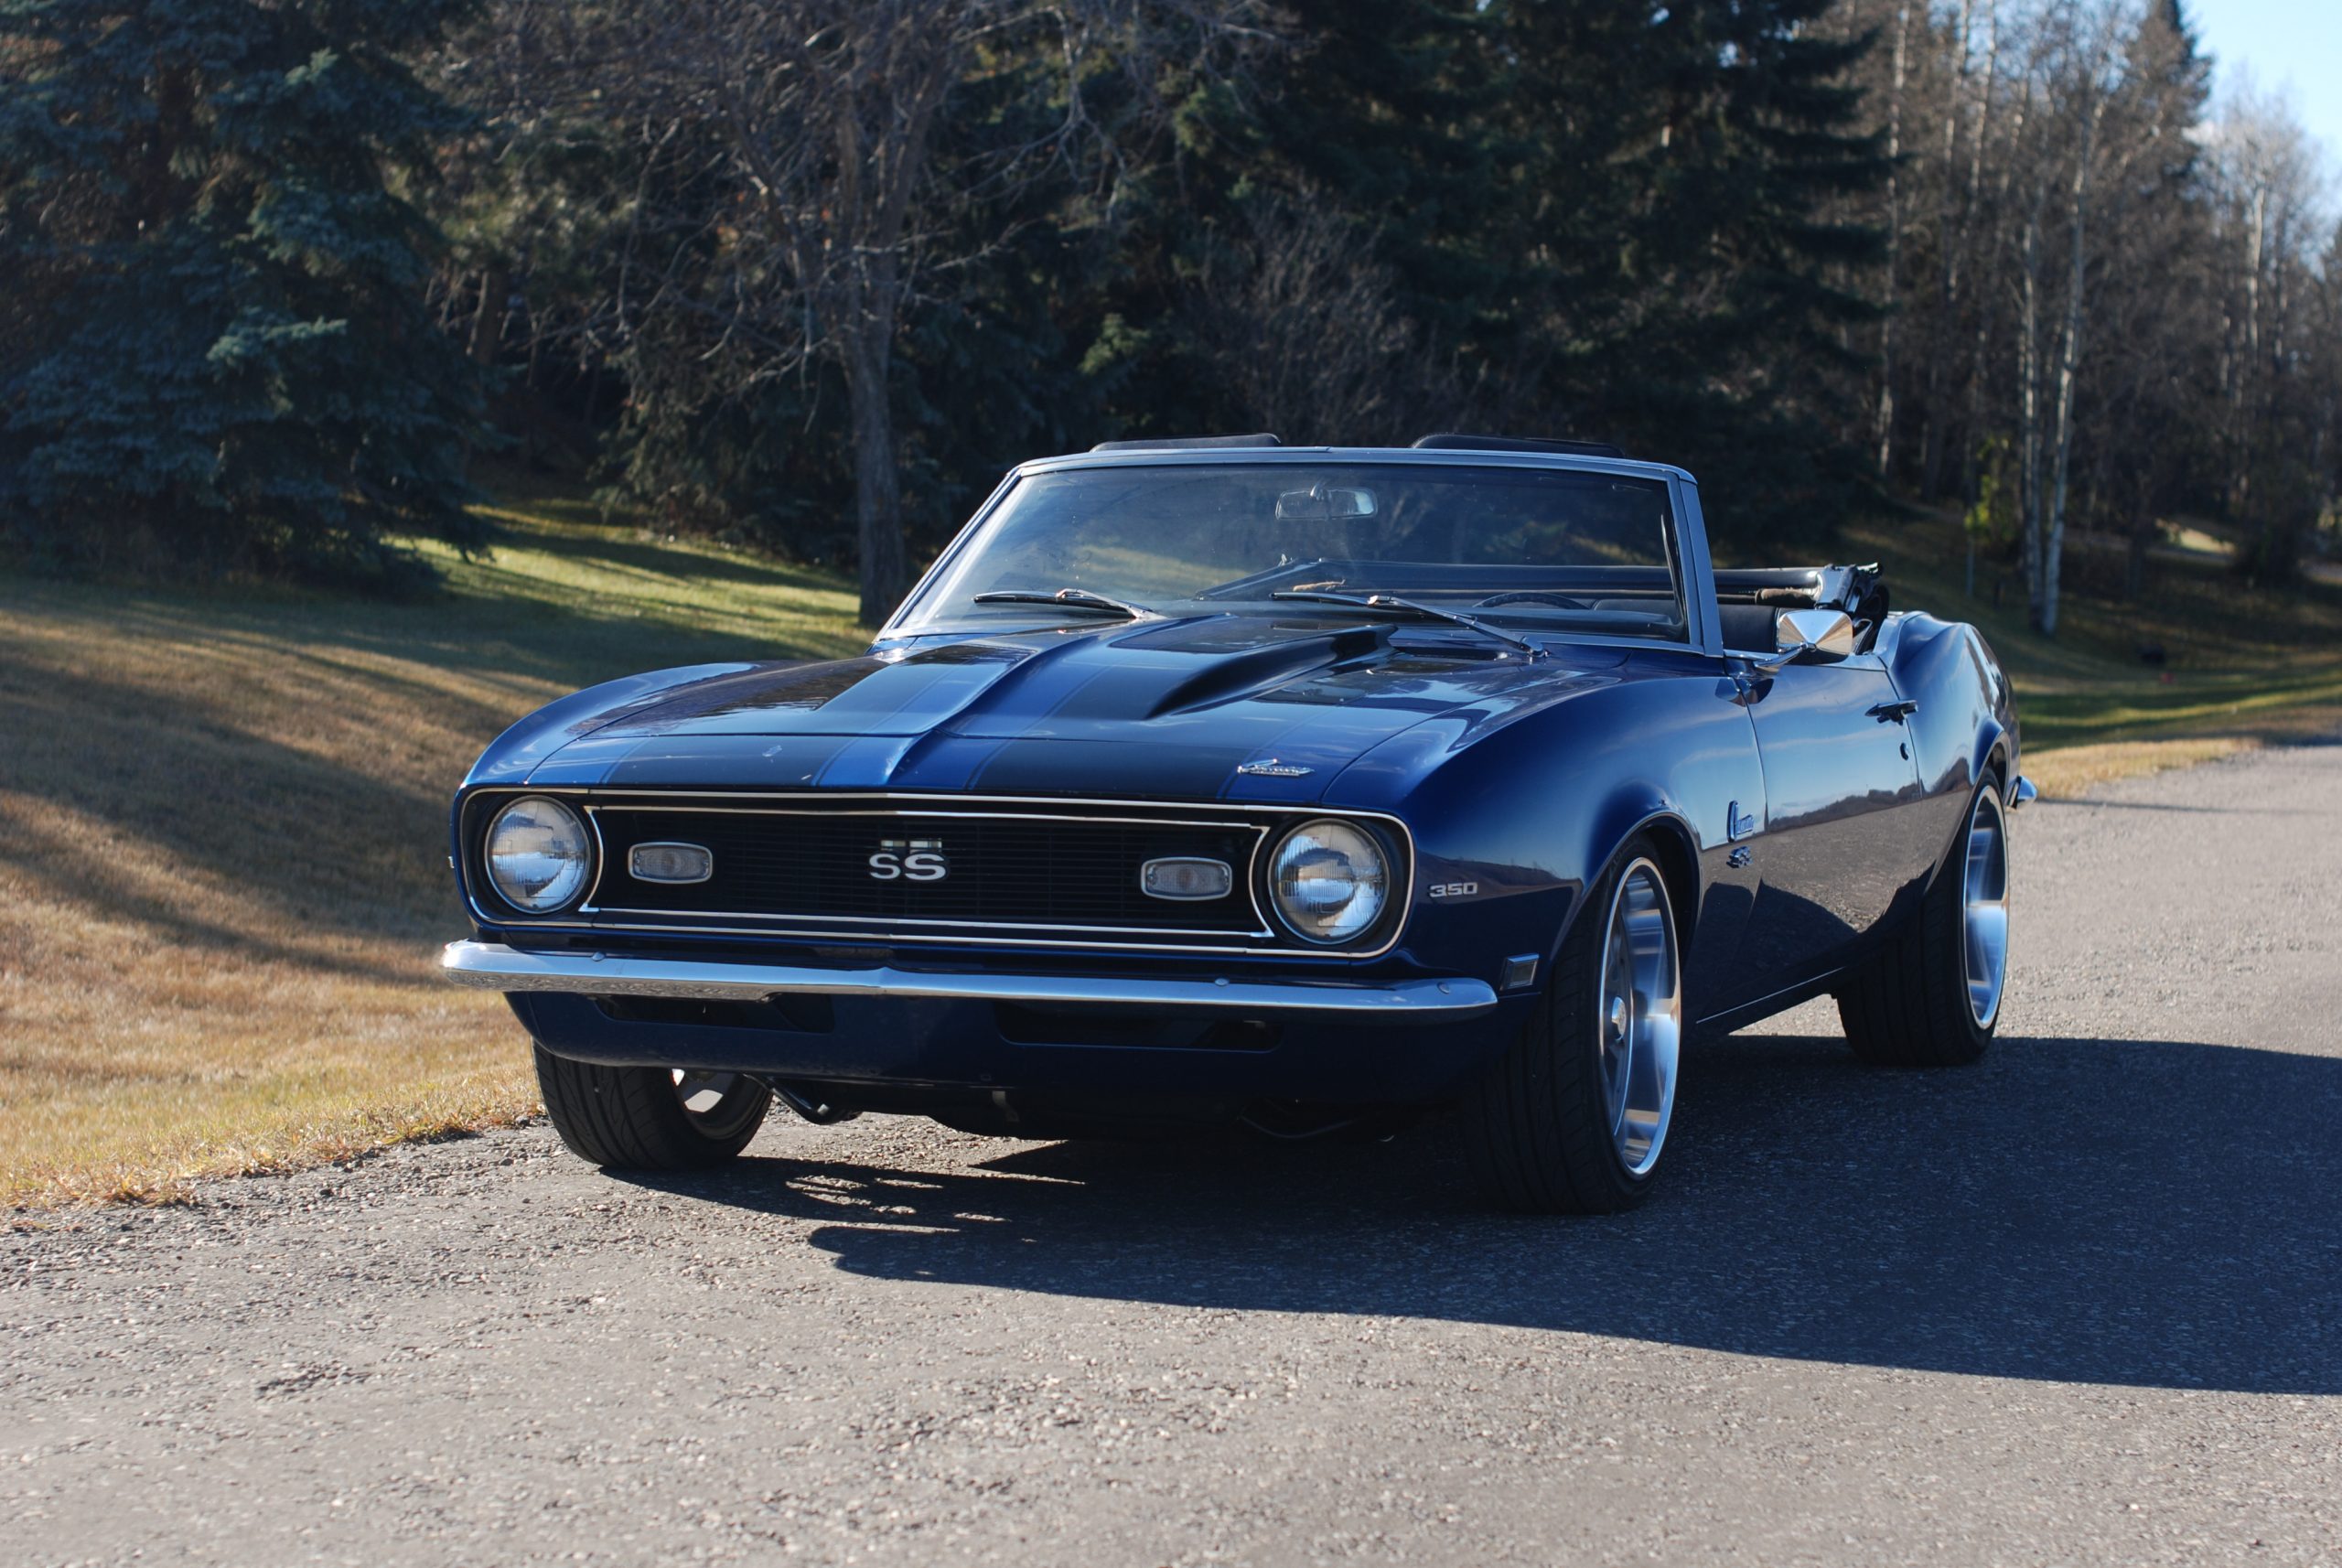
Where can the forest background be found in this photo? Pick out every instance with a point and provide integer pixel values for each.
(805, 276)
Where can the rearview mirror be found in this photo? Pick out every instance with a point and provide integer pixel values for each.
(1323, 503)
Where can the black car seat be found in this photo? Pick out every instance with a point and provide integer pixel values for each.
(1748, 629)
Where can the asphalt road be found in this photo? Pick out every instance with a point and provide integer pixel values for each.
(2081, 1305)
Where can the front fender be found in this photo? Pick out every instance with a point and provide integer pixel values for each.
(1512, 826)
(511, 757)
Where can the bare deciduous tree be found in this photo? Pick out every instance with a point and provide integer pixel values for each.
(795, 148)
(2269, 207)
(1303, 325)
(2094, 278)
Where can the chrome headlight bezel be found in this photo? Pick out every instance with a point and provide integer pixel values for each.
(1337, 843)
(558, 893)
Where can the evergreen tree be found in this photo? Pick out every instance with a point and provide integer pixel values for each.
(1385, 110)
(1313, 259)
(1673, 259)
(1602, 218)
(219, 352)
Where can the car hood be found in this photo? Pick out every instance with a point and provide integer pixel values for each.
(1243, 707)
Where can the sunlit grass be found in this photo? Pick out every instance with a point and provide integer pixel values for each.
(622, 573)
(222, 841)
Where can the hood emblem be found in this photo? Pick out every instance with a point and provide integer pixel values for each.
(1269, 767)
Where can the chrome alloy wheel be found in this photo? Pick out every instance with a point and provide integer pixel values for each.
(1985, 900)
(1641, 1017)
(716, 1102)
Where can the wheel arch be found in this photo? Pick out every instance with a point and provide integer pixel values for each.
(1995, 750)
(1678, 857)
(1679, 863)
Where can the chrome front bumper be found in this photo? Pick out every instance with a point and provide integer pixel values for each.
(493, 966)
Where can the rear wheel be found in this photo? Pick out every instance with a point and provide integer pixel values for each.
(1932, 996)
(647, 1118)
(1573, 1118)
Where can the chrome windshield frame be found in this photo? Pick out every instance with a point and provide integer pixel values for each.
(1686, 537)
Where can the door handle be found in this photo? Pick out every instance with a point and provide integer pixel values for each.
(1894, 712)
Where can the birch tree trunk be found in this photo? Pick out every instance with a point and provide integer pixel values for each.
(2028, 356)
(2069, 368)
(2244, 415)
(1894, 240)
(2028, 377)
(1973, 420)
(1948, 240)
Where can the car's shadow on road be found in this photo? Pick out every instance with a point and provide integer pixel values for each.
(2145, 1212)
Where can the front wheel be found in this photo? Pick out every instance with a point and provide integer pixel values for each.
(1931, 997)
(1571, 1119)
(649, 1118)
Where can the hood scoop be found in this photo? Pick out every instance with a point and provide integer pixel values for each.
(1222, 676)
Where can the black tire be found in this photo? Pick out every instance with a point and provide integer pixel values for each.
(1537, 1125)
(1908, 1006)
(634, 1118)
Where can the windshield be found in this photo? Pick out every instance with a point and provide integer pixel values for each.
(1538, 549)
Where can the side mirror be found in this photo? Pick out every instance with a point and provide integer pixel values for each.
(1806, 634)
(1802, 635)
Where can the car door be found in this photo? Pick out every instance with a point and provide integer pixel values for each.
(1841, 833)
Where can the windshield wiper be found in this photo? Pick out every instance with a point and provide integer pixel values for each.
(1070, 599)
(1391, 602)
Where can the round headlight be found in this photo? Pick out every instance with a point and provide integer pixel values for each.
(538, 855)
(1331, 880)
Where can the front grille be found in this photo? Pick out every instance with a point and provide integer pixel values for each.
(999, 869)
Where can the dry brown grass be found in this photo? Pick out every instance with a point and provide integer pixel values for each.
(222, 841)
(2077, 768)
(2070, 770)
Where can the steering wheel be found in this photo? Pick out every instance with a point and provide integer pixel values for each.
(1532, 595)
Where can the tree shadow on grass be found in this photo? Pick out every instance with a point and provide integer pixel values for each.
(510, 639)
(324, 845)
(2151, 1213)
(312, 834)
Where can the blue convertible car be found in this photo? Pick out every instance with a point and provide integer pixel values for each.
(1219, 781)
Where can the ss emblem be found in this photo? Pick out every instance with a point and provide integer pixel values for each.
(918, 860)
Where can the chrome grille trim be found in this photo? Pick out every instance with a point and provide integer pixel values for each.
(583, 918)
(1259, 930)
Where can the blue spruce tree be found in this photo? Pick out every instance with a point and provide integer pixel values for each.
(214, 347)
